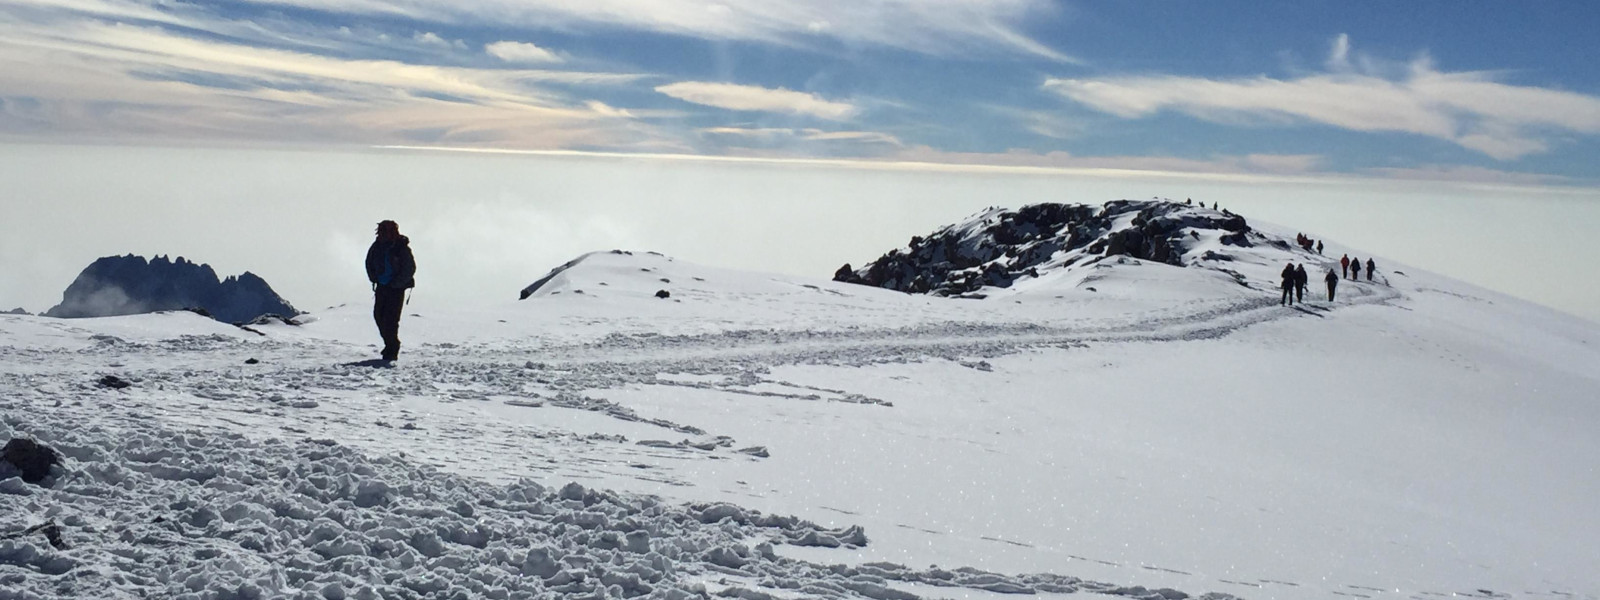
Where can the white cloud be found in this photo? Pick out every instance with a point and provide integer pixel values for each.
(90, 78)
(1339, 57)
(521, 52)
(733, 96)
(429, 38)
(1469, 109)
(938, 27)
(774, 135)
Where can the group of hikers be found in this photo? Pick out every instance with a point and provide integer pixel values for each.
(1295, 277)
(1307, 243)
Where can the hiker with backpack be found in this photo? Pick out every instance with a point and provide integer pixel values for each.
(1300, 281)
(391, 268)
(1333, 282)
(1355, 269)
(1289, 281)
(1371, 267)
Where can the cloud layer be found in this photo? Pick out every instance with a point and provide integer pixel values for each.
(1472, 110)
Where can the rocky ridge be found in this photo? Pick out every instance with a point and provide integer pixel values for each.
(126, 285)
(998, 247)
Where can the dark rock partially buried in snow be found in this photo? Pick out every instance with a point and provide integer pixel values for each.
(998, 247)
(31, 459)
(16, 311)
(128, 285)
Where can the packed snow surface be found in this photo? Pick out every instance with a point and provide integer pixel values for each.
(1126, 428)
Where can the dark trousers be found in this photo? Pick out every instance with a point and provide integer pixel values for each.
(387, 303)
(1288, 294)
(1369, 274)
(1300, 293)
(1331, 285)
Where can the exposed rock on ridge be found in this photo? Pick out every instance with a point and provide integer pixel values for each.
(997, 247)
(126, 285)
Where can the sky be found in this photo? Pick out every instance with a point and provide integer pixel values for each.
(1491, 91)
(1470, 116)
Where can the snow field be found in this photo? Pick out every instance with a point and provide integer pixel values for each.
(1173, 428)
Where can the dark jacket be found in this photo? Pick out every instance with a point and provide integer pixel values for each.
(390, 264)
(1300, 277)
(1332, 279)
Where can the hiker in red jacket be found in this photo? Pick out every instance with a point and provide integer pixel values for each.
(1344, 266)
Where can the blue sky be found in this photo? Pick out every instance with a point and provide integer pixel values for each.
(1464, 91)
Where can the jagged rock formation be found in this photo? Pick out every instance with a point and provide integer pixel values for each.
(997, 247)
(16, 311)
(126, 285)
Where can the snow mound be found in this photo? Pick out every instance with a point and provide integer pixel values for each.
(642, 275)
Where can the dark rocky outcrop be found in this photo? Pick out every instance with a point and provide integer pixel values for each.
(30, 458)
(15, 311)
(126, 285)
(997, 247)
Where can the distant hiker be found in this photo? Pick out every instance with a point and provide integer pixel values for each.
(1213, 205)
(391, 269)
(1300, 280)
(1344, 266)
(1370, 268)
(1333, 282)
(1319, 246)
(1188, 201)
(1355, 269)
(1290, 278)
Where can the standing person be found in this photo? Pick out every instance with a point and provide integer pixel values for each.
(1300, 281)
(391, 269)
(1333, 282)
(1289, 280)
(1319, 246)
(1355, 269)
(1344, 266)
(1371, 266)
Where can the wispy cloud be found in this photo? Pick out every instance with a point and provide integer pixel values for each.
(778, 135)
(733, 96)
(1470, 109)
(89, 70)
(938, 27)
(521, 52)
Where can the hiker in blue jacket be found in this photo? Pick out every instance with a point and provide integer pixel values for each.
(391, 269)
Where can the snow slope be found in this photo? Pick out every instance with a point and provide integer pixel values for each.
(1419, 438)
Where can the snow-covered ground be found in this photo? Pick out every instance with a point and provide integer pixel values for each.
(1170, 428)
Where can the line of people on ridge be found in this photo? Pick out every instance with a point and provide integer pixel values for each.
(1295, 278)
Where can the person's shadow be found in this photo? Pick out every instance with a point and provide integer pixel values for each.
(376, 363)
